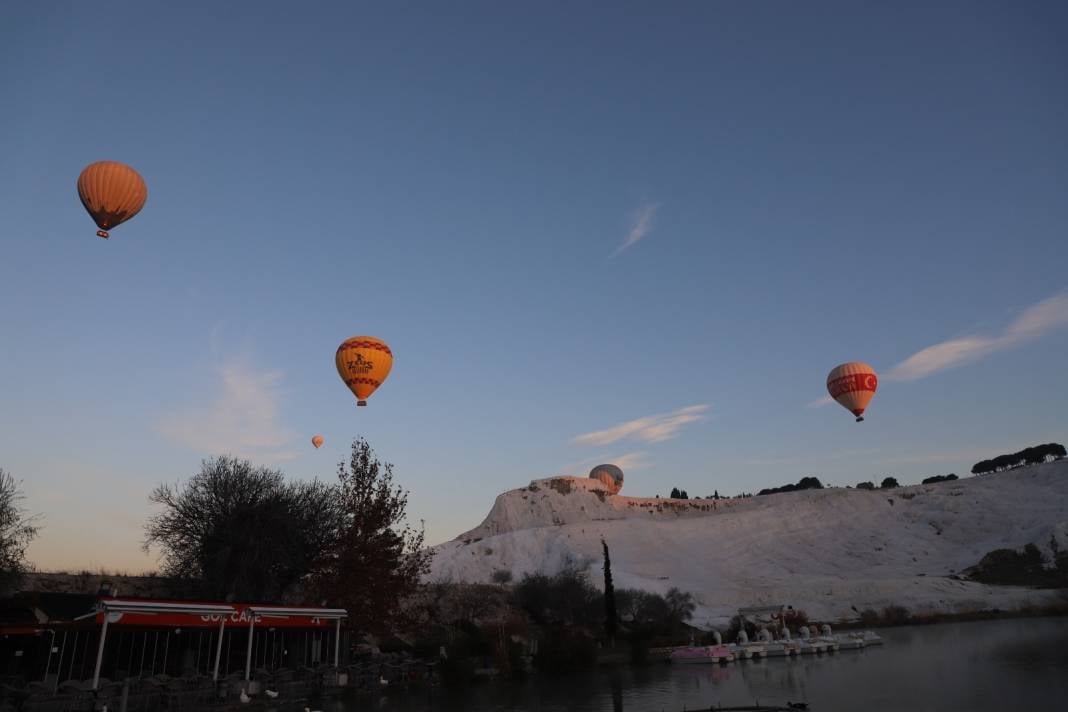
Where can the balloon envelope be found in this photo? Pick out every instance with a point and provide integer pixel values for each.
(317, 441)
(112, 193)
(363, 362)
(853, 384)
(610, 475)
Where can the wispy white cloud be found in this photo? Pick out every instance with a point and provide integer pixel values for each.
(643, 223)
(652, 429)
(629, 461)
(243, 420)
(1033, 323)
(820, 402)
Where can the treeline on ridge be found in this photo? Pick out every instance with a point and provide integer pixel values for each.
(803, 484)
(938, 478)
(1027, 456)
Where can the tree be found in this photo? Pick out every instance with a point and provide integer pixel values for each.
(680, 605)
(675, 494)
(938, 478)
(716, 495)
(376, 559)
(502, 577)
(802, 484)
(865, 485)
(889, 483)
(241, 530)
(566, 598)
(611, 618)
(1028, 456)
(642, 608)
(17, 530)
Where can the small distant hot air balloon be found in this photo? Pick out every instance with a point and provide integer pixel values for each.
(852, 385)
(317, 441)
(610, 475)
(112, 193)
(363, 362)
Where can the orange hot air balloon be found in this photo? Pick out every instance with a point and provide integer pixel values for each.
(317, 441)
(852, 385)
(610, 476)
(112, 193)
(363, 362)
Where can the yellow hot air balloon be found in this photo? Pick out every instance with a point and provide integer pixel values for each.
(112, 193)
(852, 385)
(363, 362)
(317, 441)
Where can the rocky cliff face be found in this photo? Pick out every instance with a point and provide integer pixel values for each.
(827, 551)
(570, 500)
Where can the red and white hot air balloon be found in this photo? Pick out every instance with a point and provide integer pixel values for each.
(852, 385)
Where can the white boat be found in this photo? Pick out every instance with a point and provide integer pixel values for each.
(784, 647)
(848, 641)
(871, 638)
(743, 649)
(827, 637)
(810, 645)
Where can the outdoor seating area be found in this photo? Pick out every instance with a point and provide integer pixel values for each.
(280, 689)
(140, 654)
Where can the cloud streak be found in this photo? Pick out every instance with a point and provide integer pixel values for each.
(651, 429)
(643, 223)
(243, 420)
(630, 461)
(1034, 322)
(627, 461)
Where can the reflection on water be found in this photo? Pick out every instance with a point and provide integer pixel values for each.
(973, 667)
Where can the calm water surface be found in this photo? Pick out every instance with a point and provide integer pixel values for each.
(974, 667)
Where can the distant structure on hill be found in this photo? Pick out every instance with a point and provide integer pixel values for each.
(610, 475)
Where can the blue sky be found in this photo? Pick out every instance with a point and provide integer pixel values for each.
(564, 219)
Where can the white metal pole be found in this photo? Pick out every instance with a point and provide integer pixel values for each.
(337, 640)
(59, 668)
(100, 651)
(73, 654)
(166, 651)
(51, 649)
(218, 648)
(248, 657)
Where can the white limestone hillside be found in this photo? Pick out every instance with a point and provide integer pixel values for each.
(829, 552)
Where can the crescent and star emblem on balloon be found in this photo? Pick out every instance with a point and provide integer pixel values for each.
(864, 382)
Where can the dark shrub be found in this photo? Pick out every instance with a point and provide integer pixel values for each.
(895, 615)
(869, 616)
(566, 648)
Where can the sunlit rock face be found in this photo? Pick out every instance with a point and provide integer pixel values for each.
(610, 475)
(831, 552)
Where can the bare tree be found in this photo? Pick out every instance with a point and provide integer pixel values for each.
(376, 558)
(17, 530)
(680, 604)
(242, 531)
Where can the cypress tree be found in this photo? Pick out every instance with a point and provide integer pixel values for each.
(610, 617)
